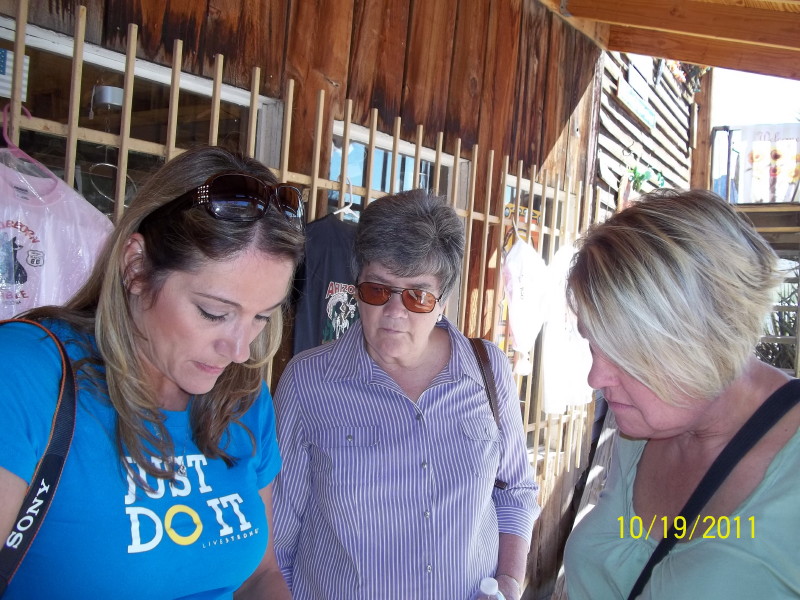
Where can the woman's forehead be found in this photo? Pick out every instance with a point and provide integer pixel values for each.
(380, 273)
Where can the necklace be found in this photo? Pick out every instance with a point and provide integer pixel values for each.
(178, 467)
(181, 470)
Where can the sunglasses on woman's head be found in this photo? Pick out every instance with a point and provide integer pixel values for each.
(415, 300)
(240, 198)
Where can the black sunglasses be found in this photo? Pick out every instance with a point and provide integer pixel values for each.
(415, 300)
(240, 198)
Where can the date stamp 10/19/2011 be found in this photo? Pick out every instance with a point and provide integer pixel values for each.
(703, 527)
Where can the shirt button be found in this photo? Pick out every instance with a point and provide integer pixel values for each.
(349, 438)
(429, 568)
(427, 514)
(419, 417)
(424, 464)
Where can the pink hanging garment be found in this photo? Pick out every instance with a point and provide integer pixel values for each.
(50, 236)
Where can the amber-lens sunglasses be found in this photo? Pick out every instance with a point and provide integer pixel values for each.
(415, 300)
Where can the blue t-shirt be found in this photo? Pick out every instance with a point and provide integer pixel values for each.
(200, 536)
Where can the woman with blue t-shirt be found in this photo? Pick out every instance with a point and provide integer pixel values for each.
(166, 491)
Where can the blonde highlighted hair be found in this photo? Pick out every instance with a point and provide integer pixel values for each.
(180, 241)
(674, 290)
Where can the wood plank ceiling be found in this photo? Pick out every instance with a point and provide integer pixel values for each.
(759, 36)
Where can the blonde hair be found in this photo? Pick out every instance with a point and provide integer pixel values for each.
(674, 290)
(180, 241)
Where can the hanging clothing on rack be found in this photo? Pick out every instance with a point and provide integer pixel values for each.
(326, 303)
(566, 358)
(526, 284)
(50, 235)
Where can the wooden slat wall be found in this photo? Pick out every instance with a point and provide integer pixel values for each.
(475, 70)
(665, 148)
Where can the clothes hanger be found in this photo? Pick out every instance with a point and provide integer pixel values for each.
(110, 101)
(347, 209)
(24, 163)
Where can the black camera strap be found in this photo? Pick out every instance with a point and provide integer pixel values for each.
(48, 472)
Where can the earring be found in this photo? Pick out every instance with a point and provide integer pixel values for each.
(439, 318)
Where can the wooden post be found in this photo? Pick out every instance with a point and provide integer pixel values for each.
(174, 98)
(75, 96)
(216, 95)
(17, 71)
(125, 123)
(252, 123)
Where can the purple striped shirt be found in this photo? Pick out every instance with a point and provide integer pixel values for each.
(381, 497)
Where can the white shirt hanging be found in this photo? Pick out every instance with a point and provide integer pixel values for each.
(566, 359)
(526, 284)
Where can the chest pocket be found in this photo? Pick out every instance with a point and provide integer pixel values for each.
(346, 454)
(480, 450)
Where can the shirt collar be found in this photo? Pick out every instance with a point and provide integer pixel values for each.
(350, 361)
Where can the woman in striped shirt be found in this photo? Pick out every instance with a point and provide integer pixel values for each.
(390, 448)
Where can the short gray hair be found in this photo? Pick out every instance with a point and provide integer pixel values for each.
(411, 233)
(674, 290)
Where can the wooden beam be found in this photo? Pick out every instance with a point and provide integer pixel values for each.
(701, 153)
(776, 29)
(717, 53)
(591, 28)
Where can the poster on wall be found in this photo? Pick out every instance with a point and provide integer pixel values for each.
(771, 169)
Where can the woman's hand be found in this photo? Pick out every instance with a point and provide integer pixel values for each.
(511, 588)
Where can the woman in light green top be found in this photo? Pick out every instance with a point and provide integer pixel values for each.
(672, 294)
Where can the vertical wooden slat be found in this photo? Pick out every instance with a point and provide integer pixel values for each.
(75, 96)
(174, 98)
(529, 221)
(373, 129)
(559, 447)
(537, 392)
(473, 175)
(418, 159)
(576, 222)
(554, 218)
(395, 155)
(530, 405)
(566, 214)
(569, 445)
(125, 122)
(344, 179)
(597, 202)
(17, 71)
(437, 167)
(252, 123)
(588, 198)
(480, 318)
(315, 158)
(455, 175)
(544, 212)
(514, 214)
(498, 264)
(288, 107)
(216, 96)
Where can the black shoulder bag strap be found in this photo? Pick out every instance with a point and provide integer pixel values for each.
(488, 381)
(48, 472)
(767, 415)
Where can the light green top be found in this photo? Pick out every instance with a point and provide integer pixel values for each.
(760, 560)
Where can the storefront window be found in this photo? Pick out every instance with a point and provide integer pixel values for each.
(46, 96)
